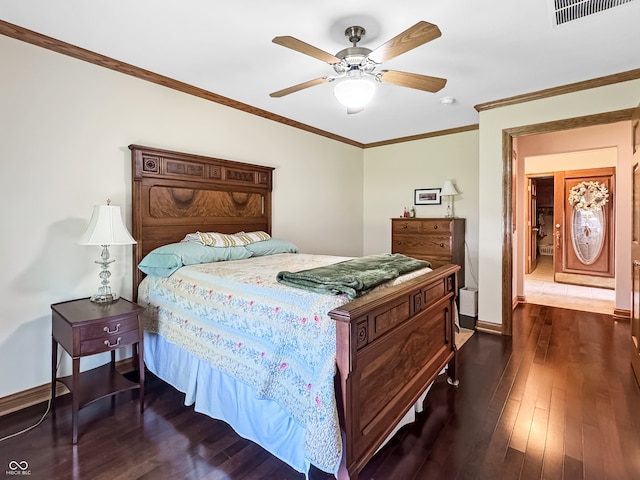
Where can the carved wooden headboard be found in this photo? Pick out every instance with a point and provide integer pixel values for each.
(178, 193)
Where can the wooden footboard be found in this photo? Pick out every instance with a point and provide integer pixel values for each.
(390, 346)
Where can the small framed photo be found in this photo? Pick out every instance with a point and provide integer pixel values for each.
(427, 196)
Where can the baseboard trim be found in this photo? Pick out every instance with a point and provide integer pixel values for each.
(518, 300)
(622, 315)
(27, 398)
(33, 396)
(489, 327)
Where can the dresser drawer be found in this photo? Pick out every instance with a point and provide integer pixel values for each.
(108, 328)
(435, 260)
(423, 244)
(406, 226)
(420, 226)
(108, 342)
(436, 226)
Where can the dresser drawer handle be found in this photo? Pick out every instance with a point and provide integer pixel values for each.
(405, 226)
(108, 343)
(442, 245)
(106, 329)
(435, 227)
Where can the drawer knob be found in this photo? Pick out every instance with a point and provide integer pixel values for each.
(442, 245)
(404, 226)
(108, 343)
(435, 227)
(116, 330)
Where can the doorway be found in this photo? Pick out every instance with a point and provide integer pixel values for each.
(511, 171)
(540, 285)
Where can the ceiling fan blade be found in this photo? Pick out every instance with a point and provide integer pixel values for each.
(421, 33)
(300, 46)
(412, 80)
(300, 86)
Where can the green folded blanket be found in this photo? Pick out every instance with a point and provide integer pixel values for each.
(352, 277)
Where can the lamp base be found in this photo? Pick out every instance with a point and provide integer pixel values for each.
(450, 208)
(449, 213)
(104, 294)
(104, 298)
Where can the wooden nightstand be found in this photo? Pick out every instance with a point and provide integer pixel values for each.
(85, 328)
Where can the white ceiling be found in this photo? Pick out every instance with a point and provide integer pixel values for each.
(489, 50)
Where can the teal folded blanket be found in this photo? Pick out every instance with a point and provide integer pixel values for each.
(352, 277)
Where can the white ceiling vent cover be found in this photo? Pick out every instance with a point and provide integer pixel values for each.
(568, 10)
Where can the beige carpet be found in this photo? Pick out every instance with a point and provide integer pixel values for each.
(463, 336)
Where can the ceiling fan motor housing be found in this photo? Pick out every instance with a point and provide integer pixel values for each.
(354, 57)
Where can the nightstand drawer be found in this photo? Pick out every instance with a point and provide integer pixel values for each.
(108, 342)
(108, 329)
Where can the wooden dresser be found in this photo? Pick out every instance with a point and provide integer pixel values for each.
(438, 240)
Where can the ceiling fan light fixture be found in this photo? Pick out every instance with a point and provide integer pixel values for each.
(354, 93)
(356, 66)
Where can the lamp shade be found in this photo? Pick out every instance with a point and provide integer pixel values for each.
(448, 189)
(106, 228)
(354, 93)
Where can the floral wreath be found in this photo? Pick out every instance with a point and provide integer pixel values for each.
(587, 196)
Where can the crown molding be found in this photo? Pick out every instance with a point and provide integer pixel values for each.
(34, 38)
(49, 43)
(562, 90)
(422, 136)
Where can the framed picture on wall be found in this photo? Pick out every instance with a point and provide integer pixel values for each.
(427, 196)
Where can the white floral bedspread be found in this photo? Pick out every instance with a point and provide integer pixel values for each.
(277, 339)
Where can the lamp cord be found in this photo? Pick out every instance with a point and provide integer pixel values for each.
(473, 275)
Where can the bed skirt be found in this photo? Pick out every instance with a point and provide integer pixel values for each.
(221, 397)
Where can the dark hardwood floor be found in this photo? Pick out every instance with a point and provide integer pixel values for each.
(556, 401)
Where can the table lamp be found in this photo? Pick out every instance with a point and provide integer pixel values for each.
(449, 191)
(106, 228)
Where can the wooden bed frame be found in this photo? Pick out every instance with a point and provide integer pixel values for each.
(390, 345)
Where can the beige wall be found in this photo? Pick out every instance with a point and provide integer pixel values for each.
(65, 126)
(492, 123)
(392, 173)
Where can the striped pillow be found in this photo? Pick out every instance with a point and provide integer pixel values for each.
(214, 239)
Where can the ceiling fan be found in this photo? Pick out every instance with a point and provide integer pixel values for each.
(356, 66)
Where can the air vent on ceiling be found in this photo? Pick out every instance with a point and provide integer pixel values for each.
(568, 10)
